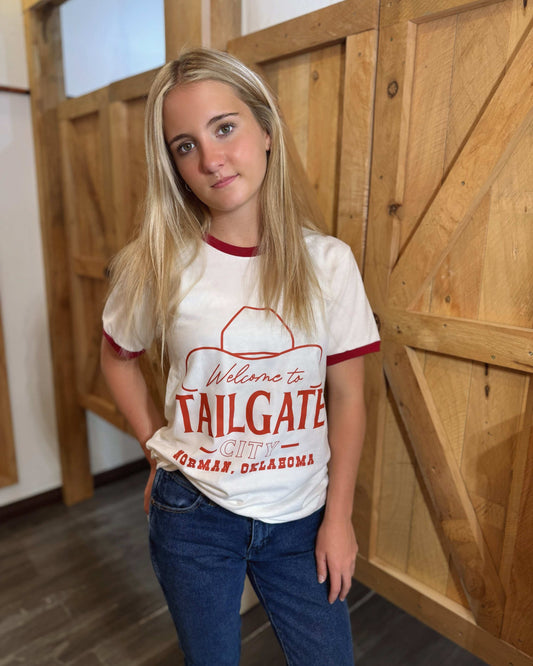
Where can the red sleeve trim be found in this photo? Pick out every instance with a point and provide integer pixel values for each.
(353, 353)
(123, 353)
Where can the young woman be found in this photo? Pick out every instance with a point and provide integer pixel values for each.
(258, 313)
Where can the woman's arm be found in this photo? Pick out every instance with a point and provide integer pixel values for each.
(336, 545)
(130, 392)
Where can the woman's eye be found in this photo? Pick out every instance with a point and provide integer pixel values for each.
(226, 128)
(185, 148)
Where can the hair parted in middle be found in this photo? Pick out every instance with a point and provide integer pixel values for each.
(175, 220)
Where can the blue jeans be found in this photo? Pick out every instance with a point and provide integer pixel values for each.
(201, 554)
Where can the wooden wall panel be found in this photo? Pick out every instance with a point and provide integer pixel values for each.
(8, 463)
(448, 251)
(45, 65)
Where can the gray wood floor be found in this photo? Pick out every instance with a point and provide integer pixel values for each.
(77, 589)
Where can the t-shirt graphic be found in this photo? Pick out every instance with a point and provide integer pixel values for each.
(245, 405)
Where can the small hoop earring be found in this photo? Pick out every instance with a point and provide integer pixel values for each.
(187, 188)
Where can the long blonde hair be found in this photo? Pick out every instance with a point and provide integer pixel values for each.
(175, 221)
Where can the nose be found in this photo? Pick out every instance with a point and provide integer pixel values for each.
(211, 156)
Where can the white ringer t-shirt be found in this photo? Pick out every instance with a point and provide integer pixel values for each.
(245, 391)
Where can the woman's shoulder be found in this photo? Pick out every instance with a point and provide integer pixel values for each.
(325, 249)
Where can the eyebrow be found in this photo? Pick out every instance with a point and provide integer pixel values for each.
(212, 121)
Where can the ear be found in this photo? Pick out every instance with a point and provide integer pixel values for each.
(267, 141)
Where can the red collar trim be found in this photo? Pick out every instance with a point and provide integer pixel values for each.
(235, 250)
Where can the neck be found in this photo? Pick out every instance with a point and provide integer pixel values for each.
(235, 231)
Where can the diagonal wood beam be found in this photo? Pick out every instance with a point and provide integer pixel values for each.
(421, 11)
(455, 515)
(506, 117)
(495, 344)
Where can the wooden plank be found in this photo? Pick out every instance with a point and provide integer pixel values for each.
(455, 290)
(480, 55)
(183, 26)
(92, 267)
(437, 611)
(517, 565)
(224, 22)
(424, 119)
(443, 481)
(393, 83)
(476, 168)
(77, 107)
(356, 144)
(324, 105)
(319, 28)
(291, 79)
(397, 487)
(449, 380)
(8, 462)
(46, 83)
(495, 344)
(367, 492)
(512, 525)
(490, 436)
(128, 168)
(506, 295)
(420, 11)
(131, 88)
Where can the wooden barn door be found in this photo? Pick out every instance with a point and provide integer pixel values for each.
(322, 68)
(449, 271)
(102, 156)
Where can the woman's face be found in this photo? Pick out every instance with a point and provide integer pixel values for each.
(218, 147)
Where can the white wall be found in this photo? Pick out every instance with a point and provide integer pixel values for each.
(22, 291)
(259, 14)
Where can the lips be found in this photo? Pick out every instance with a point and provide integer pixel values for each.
(224, 182)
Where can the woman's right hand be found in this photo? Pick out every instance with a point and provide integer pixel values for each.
(148, 488)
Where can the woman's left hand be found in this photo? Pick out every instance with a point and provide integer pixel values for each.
(336, 549)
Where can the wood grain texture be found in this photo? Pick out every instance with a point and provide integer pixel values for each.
(445, 485)
(324, 107)
(319, 28)
(8, 463)
(474, 171)
(496, 344)
(421, 11)
(453, 621)
(46, 83)
(518, 545)
(184, 26)
(224, 22)
(355, 147)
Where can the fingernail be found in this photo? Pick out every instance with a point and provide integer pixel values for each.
(321, 579)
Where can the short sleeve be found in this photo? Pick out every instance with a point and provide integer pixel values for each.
(129, 333)
(351, 324)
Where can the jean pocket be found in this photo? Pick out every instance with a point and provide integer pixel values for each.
(174, 494)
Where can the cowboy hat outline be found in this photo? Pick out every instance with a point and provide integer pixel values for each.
(246, 312)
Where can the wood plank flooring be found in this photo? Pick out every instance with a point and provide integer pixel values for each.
(77, 589)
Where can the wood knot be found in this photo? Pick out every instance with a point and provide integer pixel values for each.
(393, 208)
(378, 321)
(392, 89)
(315, 75)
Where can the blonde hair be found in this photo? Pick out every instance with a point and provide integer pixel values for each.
(175, 221)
